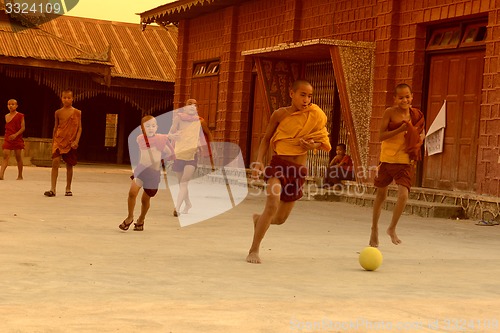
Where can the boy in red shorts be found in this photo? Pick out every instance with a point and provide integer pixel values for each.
(292, 131)
(402, 134)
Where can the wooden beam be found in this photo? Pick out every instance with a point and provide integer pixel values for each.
(142, 84)
(122, 135)
(262, 85)
(101, 69)
(345, 108)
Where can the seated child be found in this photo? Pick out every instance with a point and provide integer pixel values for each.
(340, 168)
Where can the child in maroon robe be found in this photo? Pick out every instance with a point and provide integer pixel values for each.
(13, 139)
(340, 168)
(66, 137)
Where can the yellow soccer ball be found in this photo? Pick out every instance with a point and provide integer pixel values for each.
(370, 258)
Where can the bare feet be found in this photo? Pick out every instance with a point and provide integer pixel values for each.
(253, 258)
(186, 208)
(374, 238)
(20, 178)
(394, 238)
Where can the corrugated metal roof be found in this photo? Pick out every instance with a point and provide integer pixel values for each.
(144, 55)
(37, 44)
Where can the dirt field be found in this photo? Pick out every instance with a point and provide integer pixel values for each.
(66, 267)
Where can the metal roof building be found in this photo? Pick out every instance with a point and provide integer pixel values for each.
(112, 67)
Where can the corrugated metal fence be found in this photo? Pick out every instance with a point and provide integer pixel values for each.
(320, 75)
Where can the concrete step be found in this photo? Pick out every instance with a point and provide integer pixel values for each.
(232, 176)
(416, 193)
(366, 199)
(422, 201)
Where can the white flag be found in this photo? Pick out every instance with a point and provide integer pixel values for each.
(434, 140)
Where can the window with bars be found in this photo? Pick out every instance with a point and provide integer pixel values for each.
(459, 35)
(206, 68)
(474, 34)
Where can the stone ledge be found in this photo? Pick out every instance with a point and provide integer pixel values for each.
(413, 207)
(475, 206)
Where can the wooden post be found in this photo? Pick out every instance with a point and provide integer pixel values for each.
(122, 138)
(346, 108)
(262, 86)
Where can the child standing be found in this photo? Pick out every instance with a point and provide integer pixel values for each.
(402, 134)
(153, 149)
(66, 135)
(292, 131)
(13, 139)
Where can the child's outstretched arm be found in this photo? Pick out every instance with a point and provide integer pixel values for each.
(168, 151)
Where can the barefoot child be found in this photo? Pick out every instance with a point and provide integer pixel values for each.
(67, 132)
(292, 131)
(190, 134)
(402, 134)
(13, 139)
(153, 148)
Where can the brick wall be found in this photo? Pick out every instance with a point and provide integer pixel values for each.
(398, 28)
(316, 19)
(415, 15)
(198, 40)
(182, 65)
(354, 20)
(400, 57)
(228, 92)
(223, 35)
(260, 24)
(488, 168)
(205, 37)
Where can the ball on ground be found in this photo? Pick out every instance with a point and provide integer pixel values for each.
(370, 258)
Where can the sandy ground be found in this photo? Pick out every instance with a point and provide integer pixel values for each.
(66, 267)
